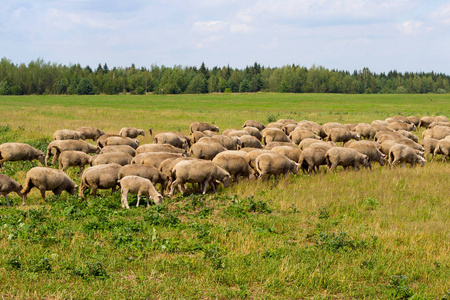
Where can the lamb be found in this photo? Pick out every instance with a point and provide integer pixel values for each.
(386, 146)
(145, 171)
(429, 144)
(92, 133)
(404, 154)
(140, 186)
(345, 157)
(74, 159)
(274, 135)
(200, 126)
(8, 185)
(120, 158)
(313, 157)
(256, 124)
(401, 125)
(198, 171)
(293, 153)
(99, 177)
(206, 151)
(56, 147)
(341, 135)
(121, 140)
(172, 139)
(119, 148)
(235, 165)
(250, 141)
(159, 148)
(153, 158)
(48, 179)
(19, 152)
(442, 147)
(299, 135)
(369, 149)
(253, 131)
(65, 134)
(366, 131)
(274, 164)
(131, 132)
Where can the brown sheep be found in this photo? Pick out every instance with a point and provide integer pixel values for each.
(277, 125)
(440, 132)
(101, 141)
(313, 157)
(429, 144)
(198, 171)
(172, 139)
(145, 171)
(250, 141)
(48, 179)
(274, 135)
(8, 185)
(288, 128)
(237, 133)
(402, 126)
(131, 132)
(307, 142)
(380, 123)
(369, 149)
(414, 120)
(140, 186)
(73, 158)
(274, 164)
(341, 135)
(206, 150)
(366, 131)
(330, 125)
(66, 134)
(119, 148)
(56, 147)
(410, 143)
(299, 135)
(253, 131)
(425, 122)
(271, 145)
(99, 177)
(293, 153)
(346, 157)
(159, 148)
(252, 123)
(92, 133)
(153, 158)
(200, 126)
(441, 119)
(436, 123)
(120, 158)
(409, 135)
(121, 140)
(252, 155)
(19, 152)
(235, 165)
(442, 147)
(404, 154)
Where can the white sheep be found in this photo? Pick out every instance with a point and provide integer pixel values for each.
(140, 186)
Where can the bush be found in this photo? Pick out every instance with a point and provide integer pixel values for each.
(140, 90)
(85, 87)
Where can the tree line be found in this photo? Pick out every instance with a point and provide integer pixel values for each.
(40, 77)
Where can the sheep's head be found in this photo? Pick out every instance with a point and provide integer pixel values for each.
(157, 199)
(41, 158)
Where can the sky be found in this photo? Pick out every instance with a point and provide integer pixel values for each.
(382, 35)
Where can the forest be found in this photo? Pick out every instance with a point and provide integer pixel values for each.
(41, 77)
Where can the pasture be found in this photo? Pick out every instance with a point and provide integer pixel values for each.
(373, 234)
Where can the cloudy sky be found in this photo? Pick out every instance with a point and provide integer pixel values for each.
(383, 35)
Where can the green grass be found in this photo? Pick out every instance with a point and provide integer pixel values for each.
(380, 234)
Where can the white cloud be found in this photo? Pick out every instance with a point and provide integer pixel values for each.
(442, 14)
(210, 26)
(412, 27)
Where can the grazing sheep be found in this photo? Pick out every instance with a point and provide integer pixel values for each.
(441, 119)
(379, 127)
(240, 153)
(442, 147)
(200, 126)
(195, 136)
(382, 136)
(235, 165)
(249, 141)
(92, 133)
(206, 151)
(231, 143)
(425, 122)
(274, 164)
(366, 131)
(341, 135)
(307, 142)
(166, 167)
(402, 126)
(409, 135)
(287, 121)
(299, 135)
(252, 155)
(19, 152)
(346, 157)
(380, 123)
(99, 177)
(313, 157)
(73, 158)
(399, 118)
(101, 141)
(293, 153)
(277, 125)
(198, 171)
(171, 138)
(131, 132)
(253, 131)
(437, 123)
(120, 148)
(414, 120)
(429, 144)
(386, 146)
(145, 171)
(288, 128)
(56, 147)
(237, 133)
(404, 154)
(210, 140)
(120, 158)
(369, 149)
(159, 148)
(330, 125)
(350, 127)
(440, 132)
(256, 124)
(274, 135)
(140, 186)
(65, 134)
(121, 140)
(8, 185)
(48, 179)
(153, 158)
(272, 145)
(410, 143)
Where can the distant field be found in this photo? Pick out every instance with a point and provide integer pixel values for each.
(380, 234)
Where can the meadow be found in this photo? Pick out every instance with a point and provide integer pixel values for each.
(373, 234)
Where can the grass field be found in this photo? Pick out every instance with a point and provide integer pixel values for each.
(380, 234)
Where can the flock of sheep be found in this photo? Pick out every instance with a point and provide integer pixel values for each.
(207, 158)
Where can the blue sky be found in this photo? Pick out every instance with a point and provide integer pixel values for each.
(405, 35)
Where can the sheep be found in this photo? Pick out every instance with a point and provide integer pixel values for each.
(237, 133)
(195, 136)
(429, 144)
(131, 132)
(19, 152)
(438, 123)
(277, 125)
(369, 149)
(252, 123)
(350, 127)
(401, 125)
(159, 148)
(341, 135)
(299, 135)
(120, 148)
(442, 147)
(425, 122)
(140, 186)
(404, 154)
(92, 133)
(101, 141)
(250, 141)
(198, 171)
(240, 153)
(386, 146)
(65, 134)
(288, 128)
(409, 135)
(274, 135)
(271, 145)
(252, 155)
(293, 153)
(313, 157)
(166, 167)
(441, 119)
(145, 171)
(121, 140)
(56, 147)
(253, 131)
(235, 165)
(99, 177)
(200, 126)
(366, 131)
(229, 142)
(8, 185)
(379, 127)
(274, 164)
(153, 158)
(210, 140)
(402, 119)
(346, 157)
(330, 125)
(379, 122)
(206, 151)
(382, 136)
(440, 132)
(287, 121)
(48, 179)
(172, 139)
(120, 158)
(73, 158)
(414, 120)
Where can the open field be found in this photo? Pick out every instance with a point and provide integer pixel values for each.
(380, 234)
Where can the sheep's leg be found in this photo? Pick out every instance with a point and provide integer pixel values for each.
(205, 184)
(7, 201)
(124, 199)
(146, 198)
(276, 179)
(94, 191)
(138, 198)
(42, 190)
(172, 187)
